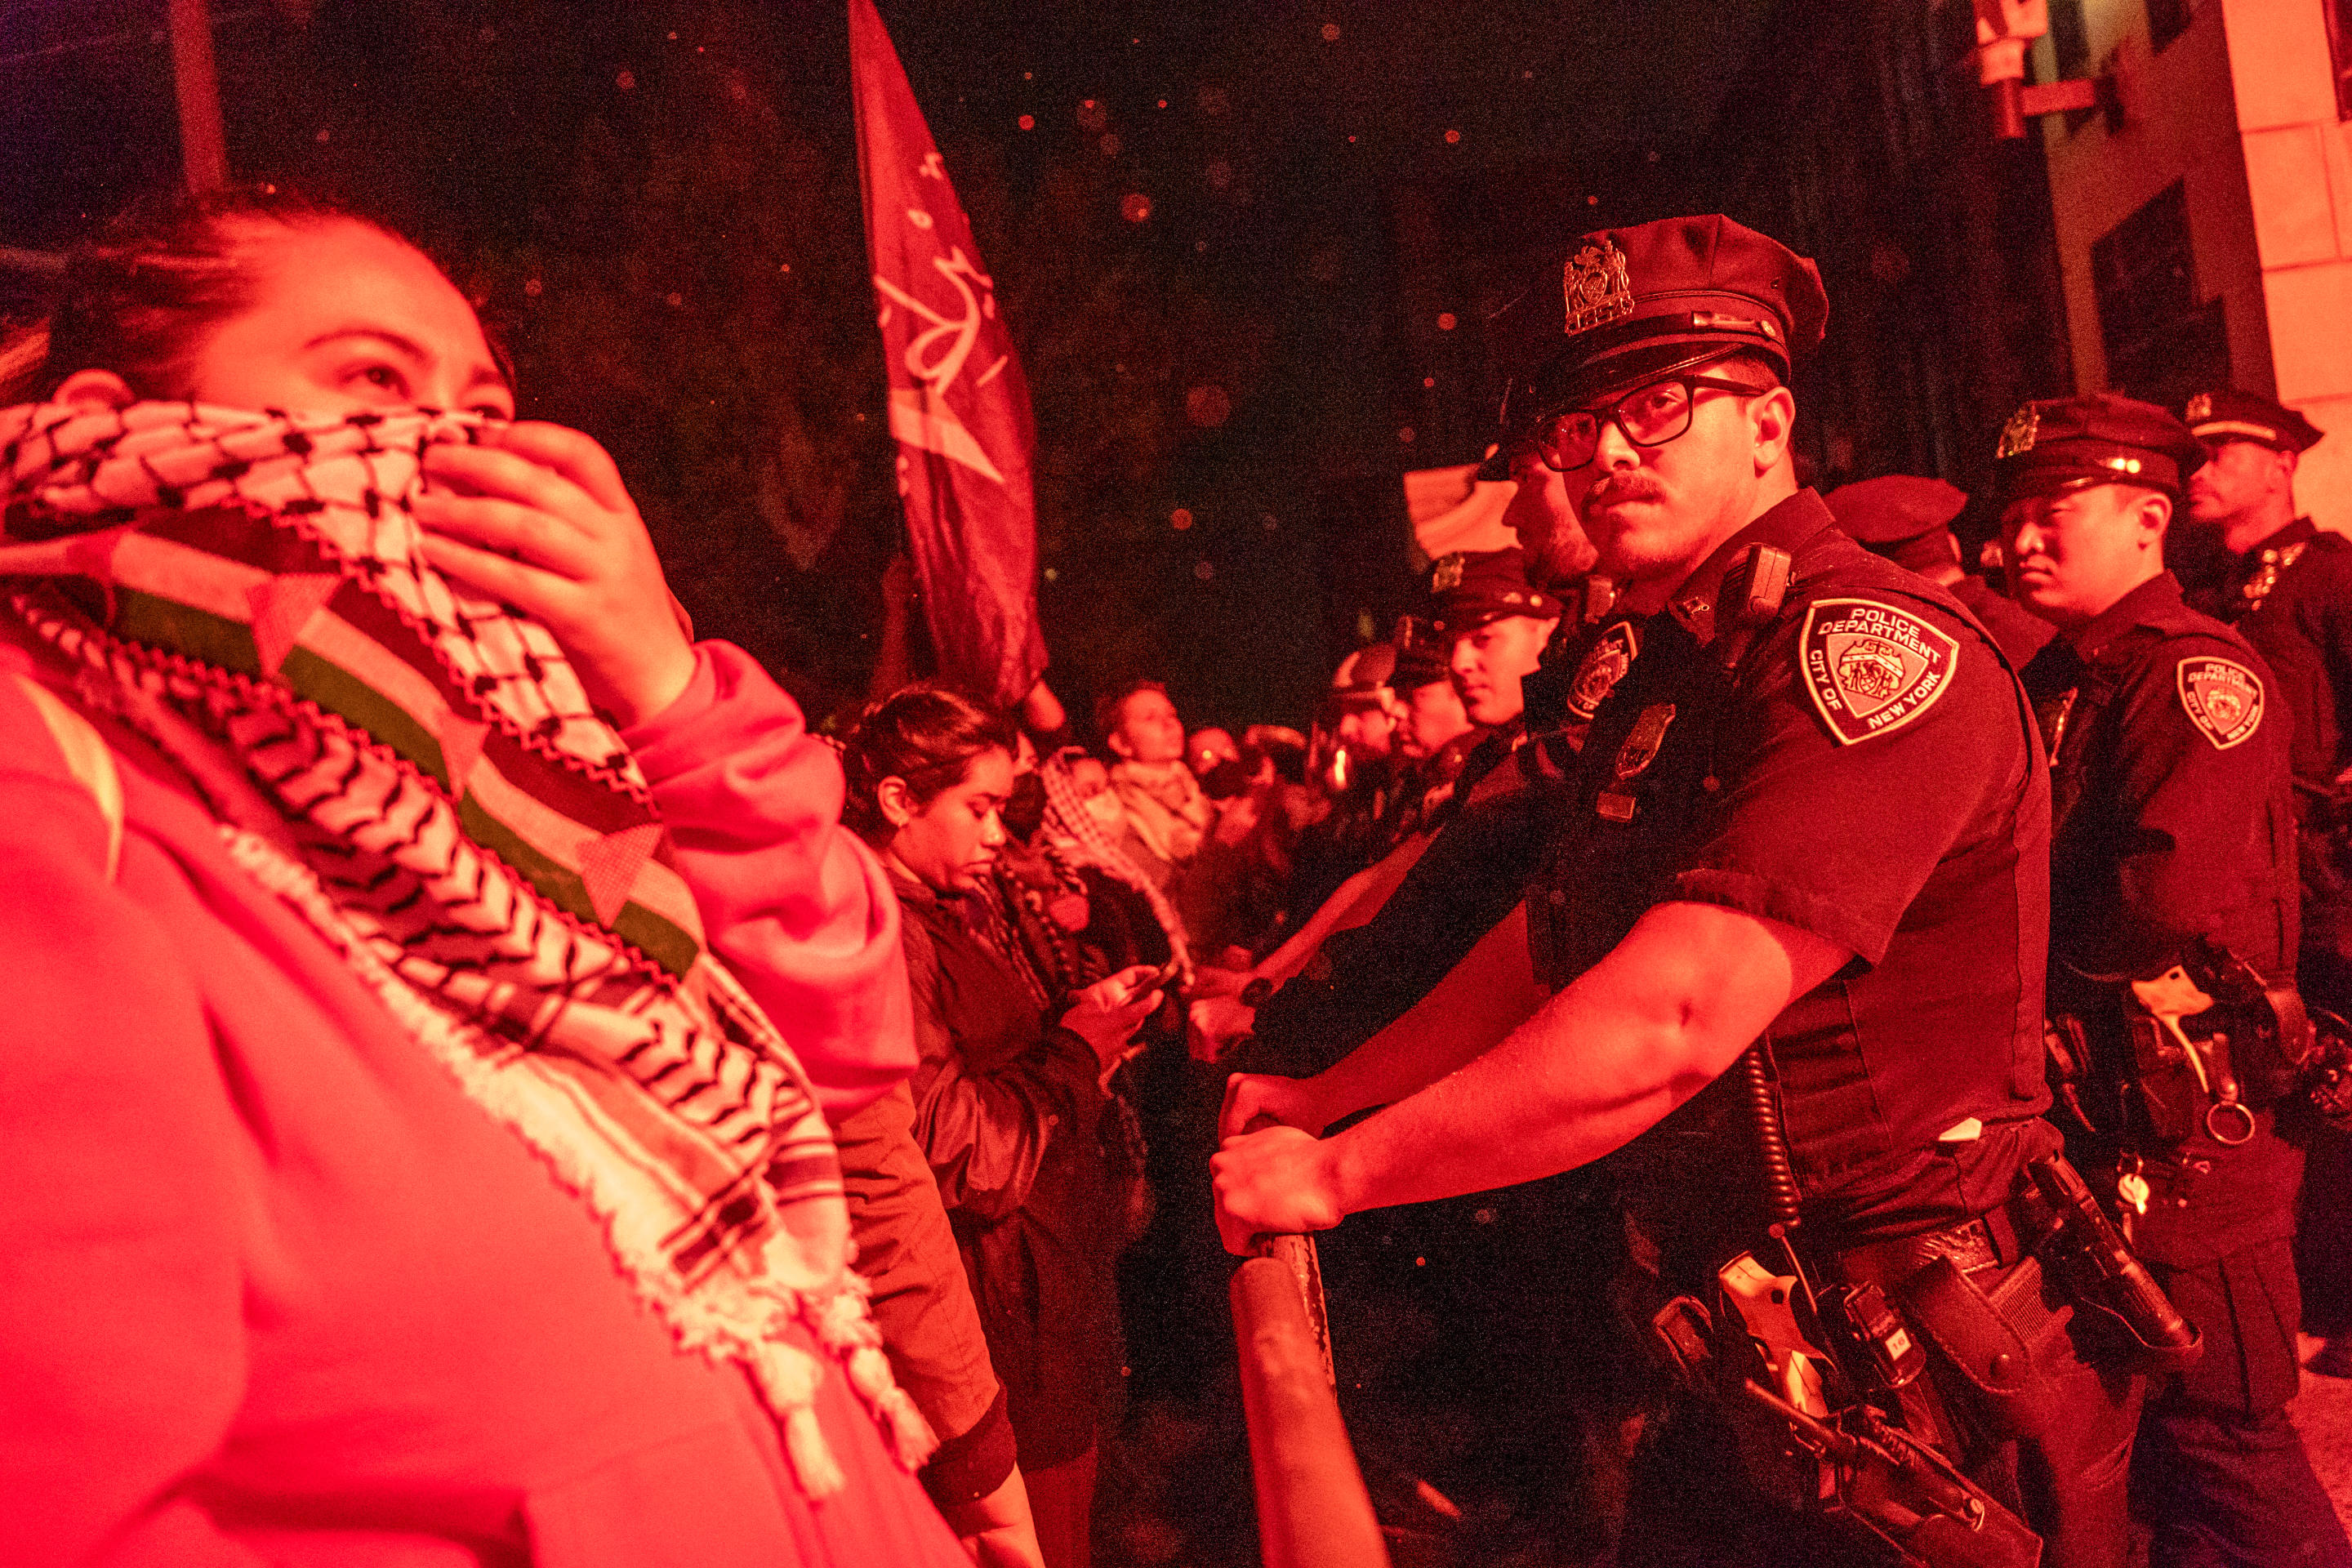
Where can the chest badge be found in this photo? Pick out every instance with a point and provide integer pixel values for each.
(2017, 436)
(1633, 759)
(2257, 588)
(1871, 668)
(1605, 664)
(2224, 698)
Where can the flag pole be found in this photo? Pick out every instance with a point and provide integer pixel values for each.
(204, 149)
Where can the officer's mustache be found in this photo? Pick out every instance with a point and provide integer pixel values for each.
(1624, 487)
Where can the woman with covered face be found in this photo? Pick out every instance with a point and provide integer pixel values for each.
(432, 969)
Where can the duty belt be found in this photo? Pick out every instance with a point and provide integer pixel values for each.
(1990, 1240)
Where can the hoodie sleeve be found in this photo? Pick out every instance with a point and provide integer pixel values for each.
(792, 901)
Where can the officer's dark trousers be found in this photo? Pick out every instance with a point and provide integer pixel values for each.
(2220, 1475)
(2324, 1223)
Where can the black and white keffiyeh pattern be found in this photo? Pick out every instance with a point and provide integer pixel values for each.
(463, 827)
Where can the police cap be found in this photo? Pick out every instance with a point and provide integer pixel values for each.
(1423, 664)
(2226, 414)
(1363, 676)
(1423, 654)
(1636, 304)
(1473, 587)
(2070, 442)
(1902, 517)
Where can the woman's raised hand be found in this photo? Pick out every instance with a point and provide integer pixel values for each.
(536, 517)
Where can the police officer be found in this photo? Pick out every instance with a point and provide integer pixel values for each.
(1496, 619)
(1356, 739)
(1434, 732)
(2288, 591)
(1809, 818)
(1908, 519)
(2287, 588)
(1319, 996)
(2172, 830)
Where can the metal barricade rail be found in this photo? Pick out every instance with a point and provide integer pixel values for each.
(1312, 1509)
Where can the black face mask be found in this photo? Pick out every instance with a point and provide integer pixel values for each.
(1225, 779)
(1024, 806)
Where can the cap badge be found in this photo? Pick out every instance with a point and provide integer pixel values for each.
(1596, 288)
(2017, 436)
(2199, 407)
(1871, 668)
(1447, 576)
(2222, 698)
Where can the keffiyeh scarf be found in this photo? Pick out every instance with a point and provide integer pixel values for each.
(1070, 829)
(464, 829)
(1165, 807)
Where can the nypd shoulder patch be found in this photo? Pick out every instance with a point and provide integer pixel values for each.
(2221, 697)
(1871, 668)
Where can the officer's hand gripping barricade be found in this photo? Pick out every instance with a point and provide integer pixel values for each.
(1808, 1378)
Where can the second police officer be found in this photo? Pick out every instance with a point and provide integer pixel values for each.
(2286, 586)
(2172, 862)
(1787, 945)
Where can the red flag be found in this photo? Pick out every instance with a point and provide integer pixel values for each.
(959, 407)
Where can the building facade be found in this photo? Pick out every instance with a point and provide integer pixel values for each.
(2197, 228)
(2206, 232)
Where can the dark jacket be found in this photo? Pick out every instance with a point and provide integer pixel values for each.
(1007, 1111)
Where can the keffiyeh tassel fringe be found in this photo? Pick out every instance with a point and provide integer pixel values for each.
(786, 1376)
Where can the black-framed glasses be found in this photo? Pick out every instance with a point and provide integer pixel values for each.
(1650, 415)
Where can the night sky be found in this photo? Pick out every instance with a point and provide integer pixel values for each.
(1246, 251)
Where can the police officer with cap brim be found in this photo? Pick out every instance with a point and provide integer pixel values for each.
(1803, 839)
(1908, 519)
(2172, 860)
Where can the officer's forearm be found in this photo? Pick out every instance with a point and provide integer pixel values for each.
(1650, 1026)
(1491, 992)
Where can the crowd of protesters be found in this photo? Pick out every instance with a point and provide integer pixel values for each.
(380, 843)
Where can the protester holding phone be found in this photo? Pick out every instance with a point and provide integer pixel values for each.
(1009, 1105)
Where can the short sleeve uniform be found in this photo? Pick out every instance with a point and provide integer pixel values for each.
(2170, 787)
(1861, 765)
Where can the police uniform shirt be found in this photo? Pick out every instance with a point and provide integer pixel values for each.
(2169, 789)
(2019, 635)
(2291, 598)
(2171, 819)
(1863, 769)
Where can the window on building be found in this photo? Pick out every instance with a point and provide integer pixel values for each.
(2070, 38)
(2339, 53)
(2070, 48)
(2161, 342)
(2167, 20)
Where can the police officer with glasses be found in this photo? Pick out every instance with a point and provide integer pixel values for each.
(1783, 966)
